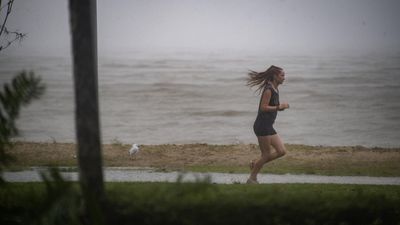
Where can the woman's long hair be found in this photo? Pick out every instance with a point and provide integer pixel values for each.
(261, 79)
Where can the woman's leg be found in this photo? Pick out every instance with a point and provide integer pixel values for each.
(264, 143)
(278, 145)
(267, 155)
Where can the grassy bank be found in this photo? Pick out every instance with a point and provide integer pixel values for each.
(300, 159)
(204, 203)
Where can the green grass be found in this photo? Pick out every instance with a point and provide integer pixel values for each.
(205, 203)
(284, 167)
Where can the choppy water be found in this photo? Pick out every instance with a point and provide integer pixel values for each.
(188, 97)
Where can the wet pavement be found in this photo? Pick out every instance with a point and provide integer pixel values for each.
(118, 174)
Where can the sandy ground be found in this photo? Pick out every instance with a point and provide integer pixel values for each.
(308, 159)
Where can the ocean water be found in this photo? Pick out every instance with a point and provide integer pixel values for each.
(192, 97)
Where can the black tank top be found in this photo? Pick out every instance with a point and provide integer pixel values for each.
(274, 101)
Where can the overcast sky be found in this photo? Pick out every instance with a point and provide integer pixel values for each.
(279, 25)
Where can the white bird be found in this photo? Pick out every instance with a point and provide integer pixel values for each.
(134, 150)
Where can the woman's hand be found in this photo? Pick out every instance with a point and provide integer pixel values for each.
(283, 106)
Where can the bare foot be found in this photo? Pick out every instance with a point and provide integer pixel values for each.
(251, 181)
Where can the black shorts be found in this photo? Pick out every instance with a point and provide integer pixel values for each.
(263, 128)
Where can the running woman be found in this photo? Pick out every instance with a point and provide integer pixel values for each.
(267, 83)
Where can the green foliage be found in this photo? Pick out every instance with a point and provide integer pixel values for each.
(207, 203)
(65, 204)
(54, 201)
(23, 89)
(61, 201)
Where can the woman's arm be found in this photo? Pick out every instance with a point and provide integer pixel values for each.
(265, 101)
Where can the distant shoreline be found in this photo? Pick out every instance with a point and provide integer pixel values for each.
(301, 159)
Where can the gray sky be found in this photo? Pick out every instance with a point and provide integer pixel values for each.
(280, 25)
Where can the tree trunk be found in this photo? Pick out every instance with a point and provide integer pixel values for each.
(84, 49)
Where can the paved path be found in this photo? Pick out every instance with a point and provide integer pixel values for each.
(149, 175)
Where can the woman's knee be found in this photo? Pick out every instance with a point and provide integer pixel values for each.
(279, 146)
(281, 153)
(265, 157)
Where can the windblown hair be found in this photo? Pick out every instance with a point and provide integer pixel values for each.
(261, 79)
